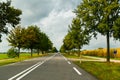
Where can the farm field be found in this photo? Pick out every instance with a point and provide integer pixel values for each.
(4, 59)
(3, 56)
(101, 52)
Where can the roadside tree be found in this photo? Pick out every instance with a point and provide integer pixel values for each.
(79, 36)
(31, 37)
(46, 43)
(16, 37)
(8, 15)
(54, 49)
(100, 16)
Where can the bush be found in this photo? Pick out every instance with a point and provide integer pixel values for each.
(12, 53)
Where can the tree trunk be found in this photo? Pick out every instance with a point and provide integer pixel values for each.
(79, 54)
(42, 52)
(79, 51)
(18, 54)
(31, 52)
(38, 51)
(108, 46)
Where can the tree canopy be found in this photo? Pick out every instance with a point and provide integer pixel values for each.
(16, 37)
(100, 16)
(76, 37)
(8, 15)
(29, 38)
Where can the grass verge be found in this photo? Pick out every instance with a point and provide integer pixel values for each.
(77, 57)
(102, 70)
(71, 56)
(5, 60)
(3, 56)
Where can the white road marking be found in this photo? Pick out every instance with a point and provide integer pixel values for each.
(28, 70)
(23, 71)
(65, 58)
(69, 62)
(77, 71)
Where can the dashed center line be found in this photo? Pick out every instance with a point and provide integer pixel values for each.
(65, 58)
(77, 71)
(69, 62)
(73, 67)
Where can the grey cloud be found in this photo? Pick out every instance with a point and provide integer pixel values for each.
(33, 10)
(100, 42)
(4, 44)
(56, 25)
(53, 17)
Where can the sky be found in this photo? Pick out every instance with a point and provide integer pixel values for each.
(53, 18)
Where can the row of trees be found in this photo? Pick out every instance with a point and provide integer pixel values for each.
(76, 37)
(98, 16)
(29, 38)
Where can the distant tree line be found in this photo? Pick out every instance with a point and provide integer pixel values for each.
(29, 38)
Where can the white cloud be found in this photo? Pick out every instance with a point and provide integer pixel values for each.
(4, 44)
(56, 25)
(101, 42)
(53, 17)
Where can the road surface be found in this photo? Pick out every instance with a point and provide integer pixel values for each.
(53, 67)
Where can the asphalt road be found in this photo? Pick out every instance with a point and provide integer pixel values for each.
(54, 67)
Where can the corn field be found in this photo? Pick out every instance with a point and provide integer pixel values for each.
(102, 52)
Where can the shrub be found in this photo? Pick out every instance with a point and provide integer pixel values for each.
(12, 53)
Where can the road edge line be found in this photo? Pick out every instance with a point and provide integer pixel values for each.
(77, 71)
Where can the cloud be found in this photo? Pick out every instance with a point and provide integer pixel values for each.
(101, 42)
(53, 18)
(4, 44)
(33, 10)
(55, 25)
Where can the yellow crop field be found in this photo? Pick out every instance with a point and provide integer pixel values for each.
(102, 52)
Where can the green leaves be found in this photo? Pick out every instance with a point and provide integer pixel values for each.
(15, 36)
(8, 15)
(76, 37)
(45, 43)
(116, 29)
(29, 38)
(100, 16)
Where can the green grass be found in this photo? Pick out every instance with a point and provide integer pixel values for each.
(5, 60)
(102, 70)
(71, 56)
(77, 57)
(3, 56)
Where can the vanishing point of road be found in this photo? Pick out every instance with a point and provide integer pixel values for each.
(53, 67)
